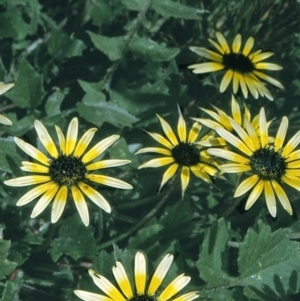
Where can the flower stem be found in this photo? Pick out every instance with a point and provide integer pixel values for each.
(146, 218)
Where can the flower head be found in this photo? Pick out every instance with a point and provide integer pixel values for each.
(3, 89)
(141, 291)
(69, 168)
(242, 67)
(180, 152)
(270, 163)
(221, 119)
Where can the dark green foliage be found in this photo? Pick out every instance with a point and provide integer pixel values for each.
(115, 65)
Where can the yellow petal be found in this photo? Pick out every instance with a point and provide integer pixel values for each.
(44, 200)
(99, 148)
(84, 142)
(31, 151)
(59, 204)
(282, 197)
(157, 150)
(71, 136)
(106, 286)
(5, 120)
(27, 180)
(95, 196)
(207, 54)
(223, 43)
(236, 45)
(108, 181)
(107, 164)
(185, 178)
(248, 46)
(281, 133)
(194, 132)
(168, 131)
(80, 205)
(33, 193)
(181, 127)
(46, 139)
(270, 198)
(174, 287)
(140, 273)
(122, 279)
(226, 80)
(5, 87)
(160, 274)
(246, 185)
(169, 173)
(254, 195)
(157, 162)
(61, 139)
(206, 67)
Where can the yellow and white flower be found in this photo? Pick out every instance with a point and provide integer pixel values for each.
(142, 290)
(269, 163)
(221, 119)
(180, 152)
(67, 169)
(242, 67)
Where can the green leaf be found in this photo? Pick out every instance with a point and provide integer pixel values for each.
(146, 238)
(74, 239)
(167, 8)
(10, 291)
(100, 12)
(28, 91)
(264, 254)
(147, 49)
(103, 262)
(63, 46)
(6, 266)
(142, 47)
(53, 103)
(19, 252)
(97, 111)
(222, 294)
(112, 47)
(212, 264)
(177, 220)
(9, 156)
(91, 88)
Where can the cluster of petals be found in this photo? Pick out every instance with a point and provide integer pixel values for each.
(48, 189)
(141, 288)
(242, 67)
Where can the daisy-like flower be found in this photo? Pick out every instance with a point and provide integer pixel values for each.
(142, 290)
(180, 151)
(270, 164)
(221, 119)
(4, 88)
(242, 67)
(69, 168)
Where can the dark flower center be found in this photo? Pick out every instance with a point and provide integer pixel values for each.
(268, 164)
(238, 62)
(186, 154)
(144, 297)
(67, 170)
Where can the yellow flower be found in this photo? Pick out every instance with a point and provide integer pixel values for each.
(141, 291)
(221, 119)
(180, 151)
(270, 164)
(66, 169)
(3, 89)
(242, 67)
